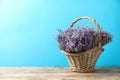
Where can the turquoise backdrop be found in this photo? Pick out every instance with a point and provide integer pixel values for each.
(28, 29)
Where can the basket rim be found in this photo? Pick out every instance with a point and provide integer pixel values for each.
(84, 52)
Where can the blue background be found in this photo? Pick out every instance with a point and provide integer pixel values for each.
(28, 29)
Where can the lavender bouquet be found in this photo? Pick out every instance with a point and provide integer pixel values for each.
(74, 40)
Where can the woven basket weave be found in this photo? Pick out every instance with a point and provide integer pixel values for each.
(85, 61)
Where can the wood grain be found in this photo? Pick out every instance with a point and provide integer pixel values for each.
(57, 73)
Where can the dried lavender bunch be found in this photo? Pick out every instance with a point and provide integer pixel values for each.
(80, 39)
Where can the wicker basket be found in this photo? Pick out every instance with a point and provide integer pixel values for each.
(85, 61)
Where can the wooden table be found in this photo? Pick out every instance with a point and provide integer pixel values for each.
(57, 73)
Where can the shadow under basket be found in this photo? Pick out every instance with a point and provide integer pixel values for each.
(84, 62)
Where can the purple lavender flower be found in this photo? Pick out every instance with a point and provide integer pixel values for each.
(81, 39)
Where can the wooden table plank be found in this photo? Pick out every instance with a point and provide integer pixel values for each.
(57, 73)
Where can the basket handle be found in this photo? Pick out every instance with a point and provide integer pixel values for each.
(91, 19)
